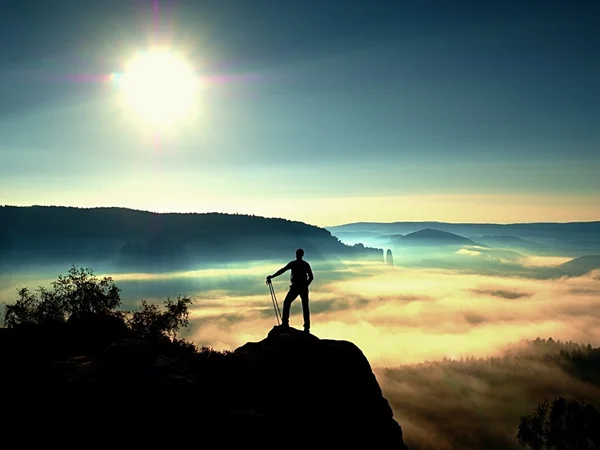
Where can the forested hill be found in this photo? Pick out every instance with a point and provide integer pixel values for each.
(141, 240)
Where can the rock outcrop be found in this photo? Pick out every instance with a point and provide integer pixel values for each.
(323, 388)
(63, 384)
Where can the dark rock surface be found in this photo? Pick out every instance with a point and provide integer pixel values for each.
(89, 382)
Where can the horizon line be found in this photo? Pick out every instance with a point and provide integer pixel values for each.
(291, 220)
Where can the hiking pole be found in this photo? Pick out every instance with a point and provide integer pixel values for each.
(275, 304)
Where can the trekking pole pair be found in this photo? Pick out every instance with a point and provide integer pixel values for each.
(275, 304)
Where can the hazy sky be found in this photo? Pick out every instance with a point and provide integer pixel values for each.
(326, 111)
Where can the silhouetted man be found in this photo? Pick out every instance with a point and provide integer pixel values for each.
(300, 278)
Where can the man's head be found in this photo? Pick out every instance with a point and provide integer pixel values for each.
(299, 253)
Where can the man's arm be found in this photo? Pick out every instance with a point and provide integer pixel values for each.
(280, 271)
(311, 277)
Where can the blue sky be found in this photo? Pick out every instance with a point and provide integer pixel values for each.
(321, 111)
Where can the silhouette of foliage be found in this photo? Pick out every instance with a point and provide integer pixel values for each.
(563, 425)
(580, 360)
(153, 323)
(80, 292)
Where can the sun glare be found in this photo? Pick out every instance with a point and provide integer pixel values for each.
(160, 87)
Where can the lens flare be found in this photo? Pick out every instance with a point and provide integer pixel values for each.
(159, 86)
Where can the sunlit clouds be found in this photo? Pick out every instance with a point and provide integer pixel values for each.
(466, 251)
(544, 261)
(398, 315)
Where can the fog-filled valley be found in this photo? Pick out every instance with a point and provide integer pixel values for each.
(450, 325)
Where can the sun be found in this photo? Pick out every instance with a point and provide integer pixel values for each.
(159, 86)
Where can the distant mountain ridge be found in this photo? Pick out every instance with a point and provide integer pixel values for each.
(503, 238)
(430, 237)
(508, 240)
(580, 266)
(141, 240)
(436, 236)
(516, 229)
(571, 238)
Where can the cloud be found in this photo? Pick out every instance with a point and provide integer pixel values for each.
(474, 319)
(510, 295)
(465, 251)
(397, 315)
(400, 316)
(544, 261)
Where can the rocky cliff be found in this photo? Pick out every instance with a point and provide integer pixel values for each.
(90, 381)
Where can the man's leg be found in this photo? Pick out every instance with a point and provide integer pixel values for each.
(287, 304)
(305, 309)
